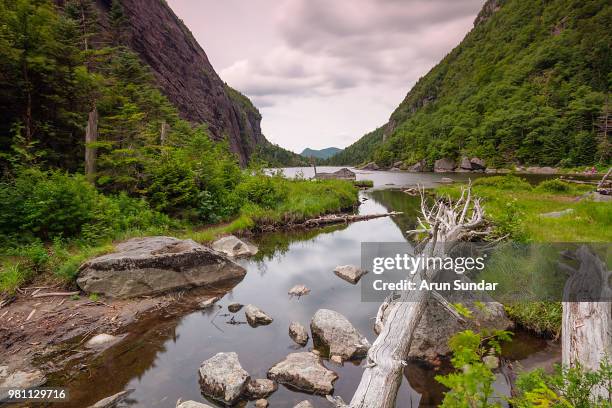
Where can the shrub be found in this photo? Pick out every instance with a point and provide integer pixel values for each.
(507, 182)
(266, 192)
(554, 186)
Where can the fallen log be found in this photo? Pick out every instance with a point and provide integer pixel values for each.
(344, 218)
(444, 223)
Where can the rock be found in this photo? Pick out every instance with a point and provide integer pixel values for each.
(370, 166)
(299, 290)
(223, 378)
(490, 170)
(446, 180)
(19, 379)
(261, 403)
(233, 247)
(395, 169)
(234, 307)
(153, 265)
(398, 164)
(466, 164)
(100, 340)
(113, 400)
(260, 388)
(437, 326)
(209, 302)
(557, 214)
(298, 333)
(304, 404)
(304, 371)
(333, 331)
(256, 317)
(477, 163)
(418, 167)
(336, 359)
(350, 273)
(191, 404)
(444, 166)
(491, 361)
(504, 171)
(542, 170)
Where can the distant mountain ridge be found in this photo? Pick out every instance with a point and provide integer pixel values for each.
(529, 84)
(320, 154)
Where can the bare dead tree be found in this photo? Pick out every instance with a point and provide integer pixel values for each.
(444, 223)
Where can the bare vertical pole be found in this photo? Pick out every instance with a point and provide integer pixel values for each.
(165, 128)
(91, 137)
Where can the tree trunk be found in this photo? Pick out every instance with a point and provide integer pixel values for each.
(165, 128)
(91, 137)
(587, 326)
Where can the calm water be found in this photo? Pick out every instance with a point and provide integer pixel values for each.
(160, 357)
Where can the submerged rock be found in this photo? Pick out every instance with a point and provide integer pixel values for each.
(191, 404)
(299, 290)
(350, 273)
(101, 339)
(260, 388)
(334, 332)
(234, 247)
(153, 265)
(298, 333)
(113, 400)
(19, 379)
(234, 307)
(256, 317)
(223, 378)
(304, 404)
(261, 403)
(305, 372)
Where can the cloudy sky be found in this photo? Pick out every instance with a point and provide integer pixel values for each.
(324, 72)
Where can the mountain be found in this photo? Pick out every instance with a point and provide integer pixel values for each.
(321, 154)
(183, 72)
(528, 84)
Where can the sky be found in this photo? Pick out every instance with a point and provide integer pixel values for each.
(325, 72)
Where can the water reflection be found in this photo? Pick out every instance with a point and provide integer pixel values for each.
(160, 358)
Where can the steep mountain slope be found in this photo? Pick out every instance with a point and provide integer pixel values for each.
(320, 154)
(186, 77)
(529, 84)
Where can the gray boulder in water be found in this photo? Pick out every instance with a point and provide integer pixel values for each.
(234, 247)
(153, 265)
(223, 378)
(305, 372)
(333, 331)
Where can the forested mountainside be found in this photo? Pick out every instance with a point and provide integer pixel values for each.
(62, 58)
(320, 153)
(529, 84)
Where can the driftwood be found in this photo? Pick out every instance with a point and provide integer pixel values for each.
(343, 219)
(444, 223)
(50, 294)
(586, 333)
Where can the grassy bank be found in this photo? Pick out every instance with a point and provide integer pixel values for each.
(64, 221)
(515, 208)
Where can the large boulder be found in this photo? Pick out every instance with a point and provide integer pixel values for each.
(305, 372)
(418, 167)
(335, 333)
(437, 325)
(256, 317)
(19, 379)
(223, 378)
(477, 163)
(234, 247)
(370, 166)
(466, 164)
(444, 165)
(152, 265)
(114, 401)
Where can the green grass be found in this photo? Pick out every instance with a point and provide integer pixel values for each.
(363, 183)
(514, 208)
(59, 261)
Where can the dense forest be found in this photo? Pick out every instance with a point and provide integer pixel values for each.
(529, 84)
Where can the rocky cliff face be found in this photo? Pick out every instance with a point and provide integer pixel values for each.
(185, 75)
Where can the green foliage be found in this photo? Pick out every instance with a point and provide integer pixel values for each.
(507, 182)
(526, 85)
(554, 186)
(471, 386)
(567, 387)
(263, 191)
(543, 318)
(363, 183)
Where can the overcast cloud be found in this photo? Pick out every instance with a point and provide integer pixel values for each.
(323, 73)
